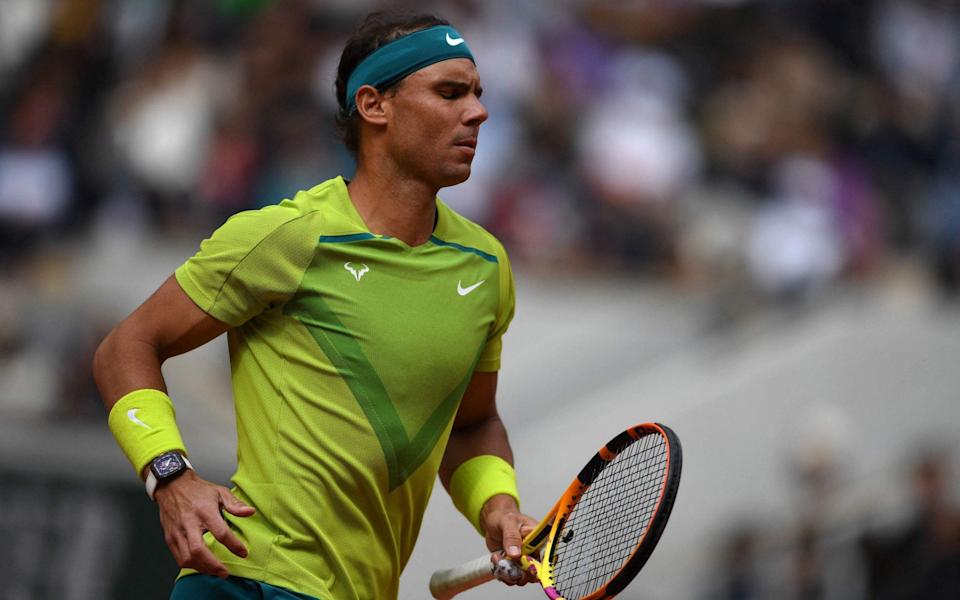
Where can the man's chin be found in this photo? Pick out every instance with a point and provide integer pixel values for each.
(455, 176)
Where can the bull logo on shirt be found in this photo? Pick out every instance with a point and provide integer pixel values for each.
(357, 273)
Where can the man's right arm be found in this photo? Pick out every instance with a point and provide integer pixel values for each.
(167, 324)
(128, 359)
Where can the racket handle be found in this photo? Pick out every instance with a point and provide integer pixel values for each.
(447, 583)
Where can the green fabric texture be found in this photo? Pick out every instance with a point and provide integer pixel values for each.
(350, 353)
(403, 455)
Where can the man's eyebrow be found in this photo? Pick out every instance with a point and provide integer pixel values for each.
(460, 86)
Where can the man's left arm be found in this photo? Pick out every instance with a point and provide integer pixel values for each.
(479, 432)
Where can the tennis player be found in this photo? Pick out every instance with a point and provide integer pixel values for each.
(364, 321)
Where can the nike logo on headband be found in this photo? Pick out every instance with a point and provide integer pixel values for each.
(454, 41)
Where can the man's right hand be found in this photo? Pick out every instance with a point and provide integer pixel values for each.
(190, 506)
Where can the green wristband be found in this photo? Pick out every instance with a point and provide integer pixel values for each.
(479, 479)
(144, 425)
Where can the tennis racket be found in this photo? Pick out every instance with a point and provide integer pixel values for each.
(602, 530)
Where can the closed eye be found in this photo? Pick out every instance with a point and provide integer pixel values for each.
(451, 90)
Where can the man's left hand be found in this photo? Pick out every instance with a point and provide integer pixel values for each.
(505, 528)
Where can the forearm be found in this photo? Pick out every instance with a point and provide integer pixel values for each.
(124, 363)
(488, 436)
(486, 493)
(167, 324)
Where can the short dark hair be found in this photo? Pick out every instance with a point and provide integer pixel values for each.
(377, 29)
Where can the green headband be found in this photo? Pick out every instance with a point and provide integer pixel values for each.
(394, 61)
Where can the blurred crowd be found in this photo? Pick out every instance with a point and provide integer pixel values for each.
(778, 145)
(836, 547)
(748, 150)
(754, 151)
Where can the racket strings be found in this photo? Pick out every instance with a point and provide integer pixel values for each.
(608, 523)
(611, 520)
(600, 562)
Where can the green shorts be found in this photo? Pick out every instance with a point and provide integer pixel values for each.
(208, 587)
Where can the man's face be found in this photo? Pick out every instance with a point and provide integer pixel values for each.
(433, 122)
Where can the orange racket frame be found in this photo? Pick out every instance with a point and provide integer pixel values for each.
(543, 540)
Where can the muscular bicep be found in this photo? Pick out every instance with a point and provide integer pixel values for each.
(171, 322)
(167, 324)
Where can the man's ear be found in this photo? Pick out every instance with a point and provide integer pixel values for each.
(370, 105)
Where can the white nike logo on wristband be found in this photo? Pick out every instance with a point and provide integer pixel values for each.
(132, 415)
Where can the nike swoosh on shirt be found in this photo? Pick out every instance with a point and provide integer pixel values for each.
(454, 41)
(132, 415)
(463, 291)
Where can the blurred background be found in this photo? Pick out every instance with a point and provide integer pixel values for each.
(739, 218)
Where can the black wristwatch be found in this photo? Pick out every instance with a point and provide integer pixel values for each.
(164, 467)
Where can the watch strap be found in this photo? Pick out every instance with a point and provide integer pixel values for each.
(152, 481)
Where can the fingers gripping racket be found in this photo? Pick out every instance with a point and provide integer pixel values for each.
(602, 530)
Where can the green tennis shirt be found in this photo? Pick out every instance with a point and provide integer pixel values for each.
(349, 353)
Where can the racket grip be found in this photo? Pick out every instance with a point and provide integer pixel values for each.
(447, 583)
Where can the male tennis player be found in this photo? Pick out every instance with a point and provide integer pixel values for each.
(364, 321)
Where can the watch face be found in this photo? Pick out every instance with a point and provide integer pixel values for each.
(167, 465)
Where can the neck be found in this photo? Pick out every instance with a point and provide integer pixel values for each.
(393, 204)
